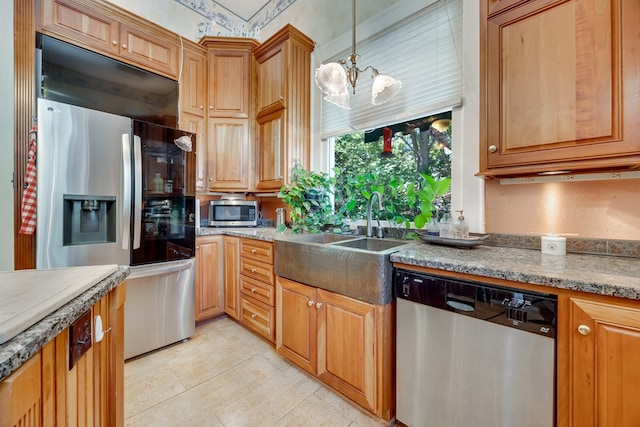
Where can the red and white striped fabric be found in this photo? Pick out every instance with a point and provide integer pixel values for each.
(28, 209)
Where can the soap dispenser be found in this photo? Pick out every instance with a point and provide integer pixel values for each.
(460, 227)
(445, 226)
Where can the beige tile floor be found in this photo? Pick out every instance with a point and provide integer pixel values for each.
(226, 376)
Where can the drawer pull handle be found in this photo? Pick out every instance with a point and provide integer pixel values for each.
(114, 42)
(253, 270)
(253, 251)
(124, 45)
(253, 289)
(318, 304)
(584, 329)
(310, 303)
(253, 315)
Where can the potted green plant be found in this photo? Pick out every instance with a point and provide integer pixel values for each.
(308, 195)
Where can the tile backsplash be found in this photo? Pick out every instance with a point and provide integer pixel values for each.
(624, 248)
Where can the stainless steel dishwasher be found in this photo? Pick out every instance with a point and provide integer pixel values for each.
(473, 354)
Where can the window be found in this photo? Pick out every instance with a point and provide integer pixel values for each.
(389, 160)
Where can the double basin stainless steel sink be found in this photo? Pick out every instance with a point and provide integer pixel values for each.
(355, 266)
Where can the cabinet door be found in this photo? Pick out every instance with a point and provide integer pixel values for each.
(193, 82)
(228, 154)
(605, 373)
(346, 346)
(231, 276)
(229, 83)
(559, 78)
(20, 396)
(209, 277)
(270, 151)
(272, 74)
(149, 51)
(85, 26)
(296, 337)
(197, 124)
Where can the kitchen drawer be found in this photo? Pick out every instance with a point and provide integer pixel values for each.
(257, 270)
(258, 317)
(258, 290)
(257, 250)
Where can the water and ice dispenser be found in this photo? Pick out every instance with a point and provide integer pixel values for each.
(89, 219)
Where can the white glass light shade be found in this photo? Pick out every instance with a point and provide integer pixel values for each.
(342, 100)
(331, 78)
(384, 88)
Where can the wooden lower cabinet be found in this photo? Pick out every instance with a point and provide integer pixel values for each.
(346, 343)
(45, 392)
(256, 285)
(604, 346)
(231, 276)
(21, 396)
(209, 277)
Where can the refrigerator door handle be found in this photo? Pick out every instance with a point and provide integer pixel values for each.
(137, 193)
(126, 182)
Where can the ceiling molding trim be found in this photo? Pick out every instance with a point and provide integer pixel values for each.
(224, 22)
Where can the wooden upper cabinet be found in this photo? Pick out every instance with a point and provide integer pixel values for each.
(86, 26)
(495, 6)
(193, 83)
(149, 51)
(271, 168)
(228, 151)
(284, 110)
(604, 369)
(560, 84)
(230, 112)
(98, 26)
(271, 75)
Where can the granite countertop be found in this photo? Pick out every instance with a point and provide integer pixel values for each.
(267, 234)
(603, 275)
(597, 274)
(28, 342)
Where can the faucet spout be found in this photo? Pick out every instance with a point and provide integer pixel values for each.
(369, 228)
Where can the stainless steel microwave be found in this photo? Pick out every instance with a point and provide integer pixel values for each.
(233, 213)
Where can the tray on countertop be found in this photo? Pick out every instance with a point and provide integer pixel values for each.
(471, 242)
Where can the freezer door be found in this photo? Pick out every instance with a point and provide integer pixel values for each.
(160, 306)
(81, 203)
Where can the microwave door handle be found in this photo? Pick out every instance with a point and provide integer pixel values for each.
(126, 191)
(137, 192)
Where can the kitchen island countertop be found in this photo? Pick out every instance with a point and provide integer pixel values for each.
(28, 342)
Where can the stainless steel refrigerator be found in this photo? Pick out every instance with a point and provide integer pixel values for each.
(112, 190)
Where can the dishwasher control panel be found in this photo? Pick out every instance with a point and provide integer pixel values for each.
(521, 309)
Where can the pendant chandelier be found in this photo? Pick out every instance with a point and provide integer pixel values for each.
(334, 78)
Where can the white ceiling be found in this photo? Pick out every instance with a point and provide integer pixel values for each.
(245, 9)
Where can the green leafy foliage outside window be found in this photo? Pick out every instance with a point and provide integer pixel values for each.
(415, 182)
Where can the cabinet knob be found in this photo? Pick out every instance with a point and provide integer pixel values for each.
(493, 148)
(124, 45)
(253, 270)
(253, 315)
(114, 42)
(210, 107)
(210, 179)
(253, 290)
(253, 250)
(310, 303)
(584, 329)
(318, 304)
(202, 107)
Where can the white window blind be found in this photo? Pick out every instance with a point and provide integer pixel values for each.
(424, 53)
